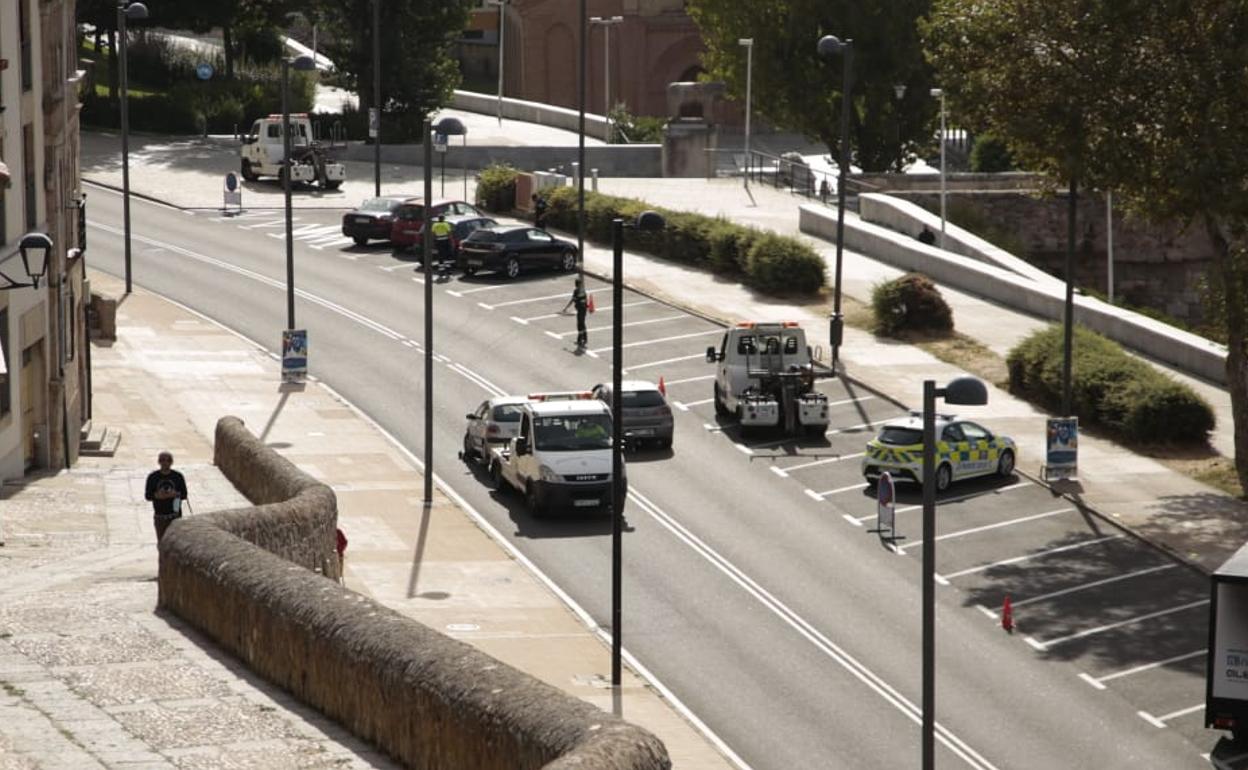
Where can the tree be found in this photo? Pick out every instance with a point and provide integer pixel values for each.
(1154, 90)
(417, 38)
(794, 88)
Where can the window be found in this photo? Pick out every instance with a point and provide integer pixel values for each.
(642, 399)
(539, 236)
(975, 432)
(274, 131)
(790, 345)
(28, 176)
(901, 436)
(23, 24)
(6, 404)
(508, 413)
(745, 345)
(952, 433)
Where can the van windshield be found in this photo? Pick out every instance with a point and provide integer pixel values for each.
(572, 433)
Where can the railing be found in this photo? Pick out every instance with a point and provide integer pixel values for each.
(796, 176)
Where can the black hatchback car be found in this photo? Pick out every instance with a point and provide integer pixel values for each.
(372, 220)
(512, 248)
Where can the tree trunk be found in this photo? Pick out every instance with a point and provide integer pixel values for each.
(113, 74)
(227, 40)
(1231, 259)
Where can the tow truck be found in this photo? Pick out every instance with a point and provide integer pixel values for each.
(766, 377)
(262, 153)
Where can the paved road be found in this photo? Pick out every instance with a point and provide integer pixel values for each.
(753, 587)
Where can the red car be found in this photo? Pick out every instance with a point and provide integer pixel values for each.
(409, 219)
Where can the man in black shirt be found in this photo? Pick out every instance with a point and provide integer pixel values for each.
(166, 489)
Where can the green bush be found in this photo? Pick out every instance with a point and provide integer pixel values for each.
(627, 128)
(768, 262)
(1109, 389)
(911, 302)
(990, 154)
(496, 188)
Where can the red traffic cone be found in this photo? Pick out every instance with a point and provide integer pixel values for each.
(1007, 615)
(591, 303)
(662, 388)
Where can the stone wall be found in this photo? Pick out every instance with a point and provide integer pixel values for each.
(245, 579)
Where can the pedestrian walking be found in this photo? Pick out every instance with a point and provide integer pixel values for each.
(580, 300)
(341, 547)
(166, 488)
(442, 239)
(824, 191)
(539, 211)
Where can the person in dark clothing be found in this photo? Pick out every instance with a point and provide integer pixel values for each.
(539, 211)
(927, 236)
(824, 191)
(580, 300)
(166, 488)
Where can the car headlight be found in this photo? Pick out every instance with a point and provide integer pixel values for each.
(547, 474)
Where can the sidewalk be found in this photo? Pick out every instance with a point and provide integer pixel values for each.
(92, 677)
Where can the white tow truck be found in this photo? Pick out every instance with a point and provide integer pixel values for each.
(561, 455)
(765, 376)
(262, 153)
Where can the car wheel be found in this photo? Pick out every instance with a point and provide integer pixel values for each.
(720, 408)
(1005, 465)
(512, 267)
(469, 452)
(531, 502)
(944, 477)
(569, 261)
(360, 240)
(496, 476)
(248, 174)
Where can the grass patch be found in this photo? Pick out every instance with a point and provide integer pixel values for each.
(12, 690)
(962, 351)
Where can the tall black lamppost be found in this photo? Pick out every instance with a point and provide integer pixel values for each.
(646, 220)
(829, 46)
(303, 64)
(965, 391)
(580, 147)
(125, 11)
(377, 96)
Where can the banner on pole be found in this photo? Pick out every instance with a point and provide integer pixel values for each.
(294, 355)
(1061, 455)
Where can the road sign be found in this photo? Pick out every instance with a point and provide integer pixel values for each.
(439, 142)
(1061, 445)
(374, 123)
(232, 191)
(203, 71)
(885, 512)
(294, 355)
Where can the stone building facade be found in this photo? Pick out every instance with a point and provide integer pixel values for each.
(43, 389)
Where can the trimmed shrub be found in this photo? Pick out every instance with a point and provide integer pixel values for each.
(911, 302)
(496, 188)
(1109, 389)
(781, 265)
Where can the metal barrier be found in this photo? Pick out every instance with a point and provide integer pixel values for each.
(797, 177)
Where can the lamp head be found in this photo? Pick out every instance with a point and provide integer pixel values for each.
(34, 248)
(967, 391)
(303, 63)
(650, 220)
(450, 126)
(831, 45)
(136, 11)
(746, 41)
(900, 91)
(937, 92)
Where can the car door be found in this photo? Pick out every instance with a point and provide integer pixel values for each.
(953, 445)
(478, 426)
(981, 449)
(542, 248)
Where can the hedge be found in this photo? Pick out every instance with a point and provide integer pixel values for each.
(911, 302)
(1110, 389)
(765, 261)
(496, 188)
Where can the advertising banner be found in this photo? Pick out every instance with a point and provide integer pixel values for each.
(1061, 453)
(294, 355)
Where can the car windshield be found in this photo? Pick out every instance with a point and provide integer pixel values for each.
(507, 413)
(412, 211)
(901, 436)
(642, 399)
(574, 432)
(379, 204)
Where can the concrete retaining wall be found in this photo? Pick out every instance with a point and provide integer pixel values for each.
(244, 578)
(532, 112)
(624, 160)
(987, 278)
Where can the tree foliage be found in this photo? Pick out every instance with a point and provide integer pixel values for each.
(794, 88)
(1144, 97)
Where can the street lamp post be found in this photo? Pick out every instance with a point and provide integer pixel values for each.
(748, 42)
(135, 11)
(965, 391)
(646, 220)
(502, 37)
(940, 92)
(580, 146)
(829, 46)
(606, 22)
(377, 96)
(302, 64)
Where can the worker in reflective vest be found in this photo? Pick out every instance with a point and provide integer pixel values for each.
(442, 237)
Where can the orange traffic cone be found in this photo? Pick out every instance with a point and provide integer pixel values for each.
(591, 303)
(1007, 615)
(662, 388)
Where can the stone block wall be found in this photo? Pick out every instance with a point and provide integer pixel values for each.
(245, 579)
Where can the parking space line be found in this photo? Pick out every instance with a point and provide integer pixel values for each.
(684, 406)
(609, 328)
(392, 268)
(1036, 555)
(1161, 720)
(1152, 720)
(677, 359)
(713, 428)
(508, 303)
(699, 378)
(548, 316)
(743, 448)
(994, 525)
(956, 499)
(475, 289)
(784, 472)
(820, 495)
(1099, 682)
(639, 343)
(789, 439)
(1044, 645)
(1093, 584)
(850, 519)
(850, 401)
(850, 429)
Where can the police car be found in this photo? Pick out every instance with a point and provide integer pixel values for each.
(964, 450)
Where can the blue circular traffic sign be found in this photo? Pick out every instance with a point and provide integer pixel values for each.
(204, 71)
(231, 181)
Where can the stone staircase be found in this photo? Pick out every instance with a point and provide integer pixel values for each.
(98, 441)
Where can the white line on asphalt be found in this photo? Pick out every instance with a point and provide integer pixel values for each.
(554, 334)
(639, 343)
(939, 578)
(784, 472)
(713, 428)
(987, 611)
(684, 380)
(1044, 645)
(743, 448)
(522, 321)
(849, 518)
(476, 378)
(820, 495)
(804, 628)
(850, 400)
(1036, 555)
(664, 361)
(964, 498)
(325, 243)
(685, 405)
(418, 280)
(1181, 712)
(271, 223)
(995, 525)
(812, 494)
(779, 441)
(392, 268)
(1152, 720)
(510, 302)
(559, 335)
(491, 287)
(1098, 682)
(1093, 584)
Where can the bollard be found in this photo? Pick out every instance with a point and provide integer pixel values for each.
(594, 171)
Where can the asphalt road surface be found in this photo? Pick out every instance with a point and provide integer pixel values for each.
(754, 587)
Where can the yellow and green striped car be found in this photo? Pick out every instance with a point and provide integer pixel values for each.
(964, 450)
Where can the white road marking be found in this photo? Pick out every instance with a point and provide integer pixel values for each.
(467, 373)
(271, 223)
(686, 404)
(392, 268)
(849, 518)
(995, 525)
(812, 494)
(842, 402)
(786, 471)
(1044, 645)
(639, 343)
(986, 611)
(743, 448)
(491, 287)
(803, 627)
(1093, 584)
(1152, 720)
(1099, 681)
(684, 380)
(1036, 555)
(964, 498)
(609, 328)
(821, 495)
(561, 295)
(713, 428)
(664, 361)
(521, 321)
(939, 578)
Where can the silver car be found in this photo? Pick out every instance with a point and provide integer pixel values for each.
(495, 421)
(646, 416)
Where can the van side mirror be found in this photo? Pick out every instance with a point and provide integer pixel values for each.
(522, 445)
(711, 355)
